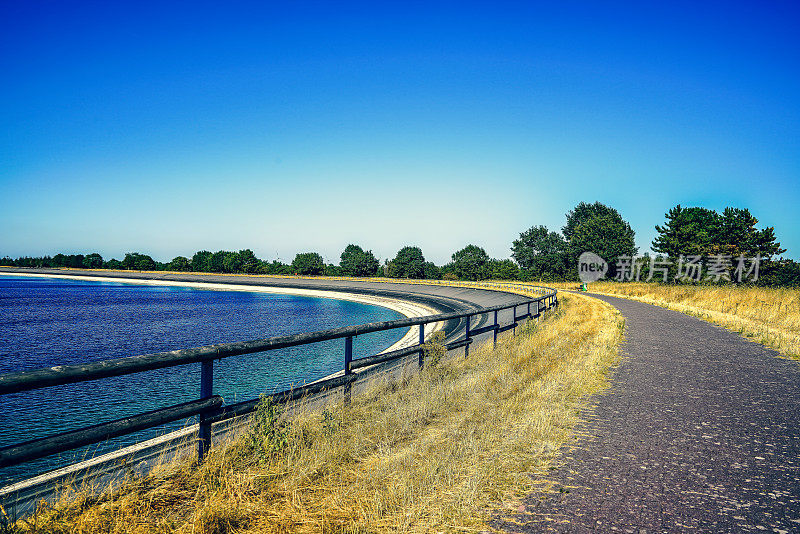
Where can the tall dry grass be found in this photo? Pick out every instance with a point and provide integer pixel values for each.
(770, 316)
(438, 451)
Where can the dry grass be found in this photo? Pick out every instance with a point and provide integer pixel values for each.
(437, 452)
(770, 316)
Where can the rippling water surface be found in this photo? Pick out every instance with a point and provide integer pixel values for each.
(47, 321)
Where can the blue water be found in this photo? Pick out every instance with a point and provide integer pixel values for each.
(47, 321)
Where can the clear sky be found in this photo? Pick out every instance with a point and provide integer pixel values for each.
(168, 127)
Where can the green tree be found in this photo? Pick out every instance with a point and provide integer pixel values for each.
(432, 272)
(216, 261)
(180, 263)
(114, 264)
(332, 270)
(738, 235)
(470, 263)
(200, 261)
(308, 263)
(409, 263)
(93, 261)
(503, 270)
(607, 235)
(248, 261)
(703, 232)
(232, 263)
(275, 267)
(582, 213)
(355, 261)
(138, 262)
(541, 254)
(687, 231)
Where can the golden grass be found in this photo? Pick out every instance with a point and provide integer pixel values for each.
(439, 451)
(770, 316)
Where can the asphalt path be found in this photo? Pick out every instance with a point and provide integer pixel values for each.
(699, 432)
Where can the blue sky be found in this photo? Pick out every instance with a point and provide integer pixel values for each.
(166, 127)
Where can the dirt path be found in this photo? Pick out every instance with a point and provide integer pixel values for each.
(700, 431)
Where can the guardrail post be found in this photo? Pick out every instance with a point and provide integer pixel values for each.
(348, 358)
(514, 321)
(529, 312)
(206, 391)
(466, 338)
(421, 343)
(496, 326)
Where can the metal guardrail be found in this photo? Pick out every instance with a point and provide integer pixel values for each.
(209, 407)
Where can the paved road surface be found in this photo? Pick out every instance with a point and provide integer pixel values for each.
(700, 431)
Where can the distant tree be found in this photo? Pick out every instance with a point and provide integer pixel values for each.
(355, 261)
(308, 263)
(737, 235)
(74, 261)
(7, 262)
(248, 261)
(93, 261)
(275, 267)
(332, 270)
(432, 272)
(780, 273)
(216, 262)
(200, 261)
(232, 263)
(409, 263)
(582, 213)
(704, 232)
(541, 254)
(138, 262)
(470, 263)
(503, 270)
(687, 231)
(114, 264)
(179, 263)
(607, 235)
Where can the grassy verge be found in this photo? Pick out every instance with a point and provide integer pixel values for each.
(770, 316)
(437, 452)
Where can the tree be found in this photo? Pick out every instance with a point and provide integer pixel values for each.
(275, 267)
(114, 264)
(582, 213)
(200, 261)
(432, 272)
(503, 270)
(541, 254)
(93, 261)
(687, 231)
(138, 262)
(308, 263)
(231, 263)
(355, 261)
(249, 262)
(704, 232)
(737, 235)
(409, 263)
(607, 236)
(470, 263)
(179, 263)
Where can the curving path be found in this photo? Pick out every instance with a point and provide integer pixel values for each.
(700, 431)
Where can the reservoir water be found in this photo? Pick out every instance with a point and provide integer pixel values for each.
(47, 321)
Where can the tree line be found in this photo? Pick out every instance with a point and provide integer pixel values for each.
(539, 254)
